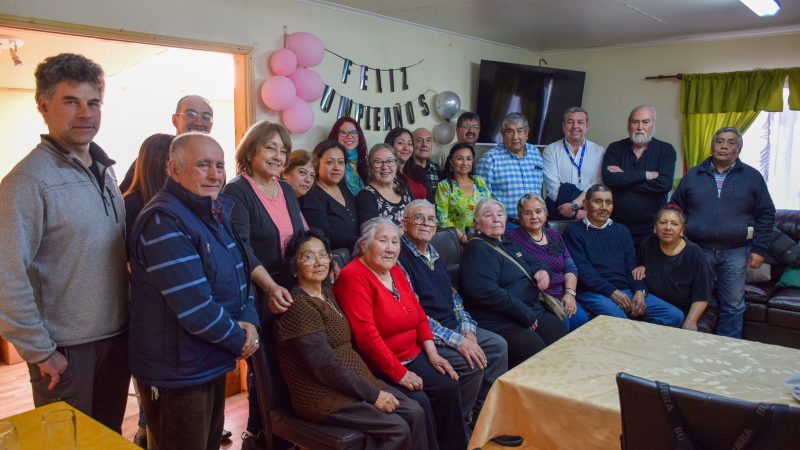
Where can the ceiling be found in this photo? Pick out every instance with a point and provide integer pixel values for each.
(557, 25)
(113, 56)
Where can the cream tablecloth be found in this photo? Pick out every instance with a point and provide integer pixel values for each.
(91, 434)
(565, 397)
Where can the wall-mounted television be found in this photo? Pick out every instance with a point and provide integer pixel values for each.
(540, 93)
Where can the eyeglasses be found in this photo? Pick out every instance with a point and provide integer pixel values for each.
(310, 258)
(420, 219)
(467, 126)
(192, 115)
(378, 163)
(351, 133)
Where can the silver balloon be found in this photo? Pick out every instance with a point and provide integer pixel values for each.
(444, 132)
(446, 104)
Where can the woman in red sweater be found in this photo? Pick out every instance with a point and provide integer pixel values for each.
(391, 332)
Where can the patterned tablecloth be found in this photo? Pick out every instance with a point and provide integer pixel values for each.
(91, 434)
(565, 397)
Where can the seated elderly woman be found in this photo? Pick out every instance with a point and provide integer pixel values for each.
(547, 245)
(328, 382)
(391, 332)
(500, 285)
(675, 269)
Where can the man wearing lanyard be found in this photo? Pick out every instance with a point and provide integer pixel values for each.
(571, 166)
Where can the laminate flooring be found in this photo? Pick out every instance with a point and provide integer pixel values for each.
(15, 397)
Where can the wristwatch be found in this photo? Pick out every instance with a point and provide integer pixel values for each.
(571, 292)
(575, 207)
(643, 291)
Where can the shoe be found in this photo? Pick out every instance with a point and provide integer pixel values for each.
(140, 438)
(507, 440)
(226, 436)
(251, 441)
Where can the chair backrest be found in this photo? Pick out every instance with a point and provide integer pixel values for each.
(446, 242)
(710, 421)
(342, 256)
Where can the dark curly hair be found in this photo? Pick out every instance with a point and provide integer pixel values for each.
(67, 67)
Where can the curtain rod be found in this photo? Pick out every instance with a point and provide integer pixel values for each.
(677, 76)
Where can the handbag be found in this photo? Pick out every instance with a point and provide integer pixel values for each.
(553, 304)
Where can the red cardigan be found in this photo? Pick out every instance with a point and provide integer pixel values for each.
(385, 331)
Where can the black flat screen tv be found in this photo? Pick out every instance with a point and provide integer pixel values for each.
(540, 93)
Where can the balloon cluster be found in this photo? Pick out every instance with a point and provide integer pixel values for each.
(294, 84)
(447, 105)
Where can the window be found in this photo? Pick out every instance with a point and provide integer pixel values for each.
(772, 145)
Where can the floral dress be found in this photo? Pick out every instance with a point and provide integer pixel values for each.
(453, 207)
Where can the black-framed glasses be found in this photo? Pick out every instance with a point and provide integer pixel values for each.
(351, 133)
(421, 219)
(192, 115)
(378, 163)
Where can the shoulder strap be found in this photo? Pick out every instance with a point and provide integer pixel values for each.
(754, 422)
(682, 441)
(503, 252)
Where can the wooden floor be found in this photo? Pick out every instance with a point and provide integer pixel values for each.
(15, 397)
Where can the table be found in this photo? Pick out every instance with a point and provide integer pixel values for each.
(91, 434)
(565, 397)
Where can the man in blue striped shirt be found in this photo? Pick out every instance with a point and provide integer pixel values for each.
(513, 168)
(192, 311)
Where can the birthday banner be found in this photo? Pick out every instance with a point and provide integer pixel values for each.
(375, 118)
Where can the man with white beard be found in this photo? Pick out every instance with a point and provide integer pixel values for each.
(639, 170)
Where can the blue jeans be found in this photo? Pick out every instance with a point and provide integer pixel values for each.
(729, 268)
(656, 310)
(577, 319)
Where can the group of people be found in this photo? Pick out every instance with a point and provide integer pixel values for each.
(179, 273)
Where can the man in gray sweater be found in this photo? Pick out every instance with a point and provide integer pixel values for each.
(63, 280)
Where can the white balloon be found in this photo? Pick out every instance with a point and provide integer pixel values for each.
(446, 104)
(444, 132)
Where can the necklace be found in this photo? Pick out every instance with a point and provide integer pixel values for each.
(324, 298)
(395, 293)
(537, 240)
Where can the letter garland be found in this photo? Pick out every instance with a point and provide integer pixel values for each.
(375, 118)
(364, 74)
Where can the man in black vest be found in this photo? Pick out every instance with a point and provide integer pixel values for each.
(479, 356)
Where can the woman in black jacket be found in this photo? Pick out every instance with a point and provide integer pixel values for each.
(500, 286)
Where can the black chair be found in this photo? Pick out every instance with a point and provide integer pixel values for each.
(446, 242)
(698, 420)
(341, 256)
(276, 410)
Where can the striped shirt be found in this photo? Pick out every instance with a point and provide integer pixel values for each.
(509, 176)
(719, 177)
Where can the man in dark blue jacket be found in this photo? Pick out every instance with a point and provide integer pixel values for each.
(730, 214)
(192, 311)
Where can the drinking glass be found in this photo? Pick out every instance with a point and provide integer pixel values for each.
(59, 430)
(8, 436)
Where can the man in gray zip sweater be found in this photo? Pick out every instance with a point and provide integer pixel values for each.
(63, 280)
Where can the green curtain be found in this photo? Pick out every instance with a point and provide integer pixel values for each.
(711, 101)
(698, 129)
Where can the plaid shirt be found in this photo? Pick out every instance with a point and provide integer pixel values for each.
(443, 336)
(509, 177)
(433, 171)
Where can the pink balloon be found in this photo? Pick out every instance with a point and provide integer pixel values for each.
(278, 93)
(308, 83)
(307, 47)
(283, 62)
(299, 117)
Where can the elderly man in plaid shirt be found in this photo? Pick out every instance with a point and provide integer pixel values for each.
(479, 356)
(513, 168)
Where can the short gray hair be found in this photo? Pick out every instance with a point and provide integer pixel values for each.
(515, 117)
(179, 144)
(573, 110)
(652, 111)
(368, 230)
(528, 197)
(729, 130)
(482, 205)
(417, 204)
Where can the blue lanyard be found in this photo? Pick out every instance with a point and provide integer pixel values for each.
(572, 160)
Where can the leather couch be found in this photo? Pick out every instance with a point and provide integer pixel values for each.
(773, 314)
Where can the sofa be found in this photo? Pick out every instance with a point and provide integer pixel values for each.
(773, 314)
